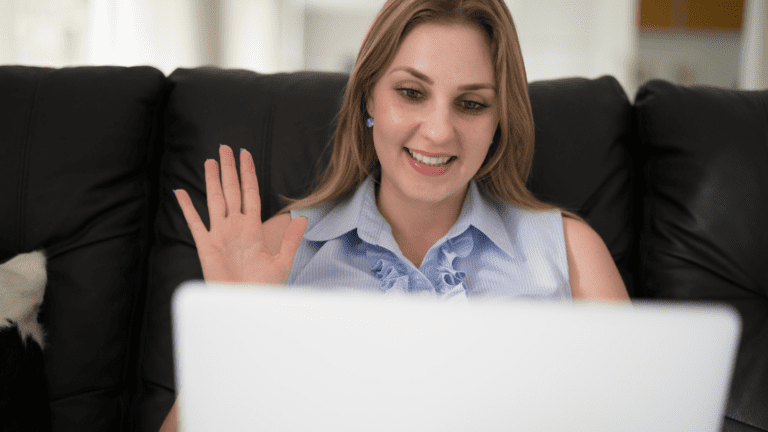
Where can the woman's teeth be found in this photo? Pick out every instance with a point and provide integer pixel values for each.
(430, 161)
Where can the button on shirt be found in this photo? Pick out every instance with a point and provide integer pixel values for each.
(495, 250)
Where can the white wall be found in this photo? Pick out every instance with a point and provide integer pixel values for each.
(291, 35)
(143, 32)
(559, 38)
(58, 33)
(332, 39)
(690, 58)
(251, 35)
(7, 40)
(43, 32)
(753, 74)
(324, 34)
(586, 38)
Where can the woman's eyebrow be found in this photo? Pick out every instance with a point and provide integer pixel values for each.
(426, 79)
(414, 72)
(478, 87)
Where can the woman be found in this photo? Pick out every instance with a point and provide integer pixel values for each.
(425, 191)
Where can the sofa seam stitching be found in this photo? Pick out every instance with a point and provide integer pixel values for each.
(264, 171)
(22, 196)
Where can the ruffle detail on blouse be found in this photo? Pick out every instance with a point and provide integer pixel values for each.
(450, 280)
(393, 275)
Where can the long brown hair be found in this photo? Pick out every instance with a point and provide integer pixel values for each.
(506, 168)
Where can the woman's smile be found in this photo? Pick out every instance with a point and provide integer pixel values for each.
(432, 166)
(430, 159)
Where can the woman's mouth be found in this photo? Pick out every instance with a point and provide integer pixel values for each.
(430, 161)
(435, 165)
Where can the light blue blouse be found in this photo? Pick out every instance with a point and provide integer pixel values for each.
(495, 250)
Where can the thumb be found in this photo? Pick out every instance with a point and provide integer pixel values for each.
(292, 237)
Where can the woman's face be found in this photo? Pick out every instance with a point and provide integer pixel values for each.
(435, 112)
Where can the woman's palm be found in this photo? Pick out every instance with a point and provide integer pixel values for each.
(235, 250)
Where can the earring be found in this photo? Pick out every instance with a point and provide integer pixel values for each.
(369, 122)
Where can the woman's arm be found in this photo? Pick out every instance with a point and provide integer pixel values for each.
(274, 229)
(171, 423)
(593, 274)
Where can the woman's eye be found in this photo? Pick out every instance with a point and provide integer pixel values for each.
(472, 105)
(410, 93)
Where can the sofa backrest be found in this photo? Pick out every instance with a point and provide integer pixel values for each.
(703, 234)
(675, 185)
(74, 148)
(284, 120)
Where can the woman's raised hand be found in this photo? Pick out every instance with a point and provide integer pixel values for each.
(235, 250)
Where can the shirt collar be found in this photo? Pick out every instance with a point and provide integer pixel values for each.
(484, 213)
(344, 216)
(359, 211)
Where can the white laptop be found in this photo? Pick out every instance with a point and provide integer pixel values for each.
(251, 358)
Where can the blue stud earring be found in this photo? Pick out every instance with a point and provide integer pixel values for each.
(369, 122)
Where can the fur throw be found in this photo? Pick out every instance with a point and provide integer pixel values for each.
(22, 285)
(23, 390)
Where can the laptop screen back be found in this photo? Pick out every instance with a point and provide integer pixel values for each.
(272, 359)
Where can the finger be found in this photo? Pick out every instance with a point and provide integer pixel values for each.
(251, 198)
(216, 205)
(229, 180)
(194, 222)
(292, 237)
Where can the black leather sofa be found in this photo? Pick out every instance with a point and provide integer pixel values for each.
(676, 183)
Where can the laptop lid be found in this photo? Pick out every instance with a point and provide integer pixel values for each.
(273, 359)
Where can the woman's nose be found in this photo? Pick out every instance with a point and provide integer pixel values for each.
(437, 126)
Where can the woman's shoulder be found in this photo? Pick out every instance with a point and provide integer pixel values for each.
(275, 226)
(592, 271)
(516, 216)
(314, 212)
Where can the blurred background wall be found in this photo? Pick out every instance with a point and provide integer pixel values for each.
(716, 42)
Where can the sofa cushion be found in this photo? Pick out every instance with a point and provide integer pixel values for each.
(704, 235)
(75, 145)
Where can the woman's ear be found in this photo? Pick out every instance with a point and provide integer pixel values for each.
(365, 105)
(369, 105)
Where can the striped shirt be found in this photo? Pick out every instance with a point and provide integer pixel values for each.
(494, 250)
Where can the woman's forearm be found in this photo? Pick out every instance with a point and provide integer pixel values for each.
(171, 423)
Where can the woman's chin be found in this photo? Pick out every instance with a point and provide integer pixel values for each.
(425, 189)
(419, 183)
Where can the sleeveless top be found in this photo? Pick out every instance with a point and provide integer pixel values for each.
(495, 250)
